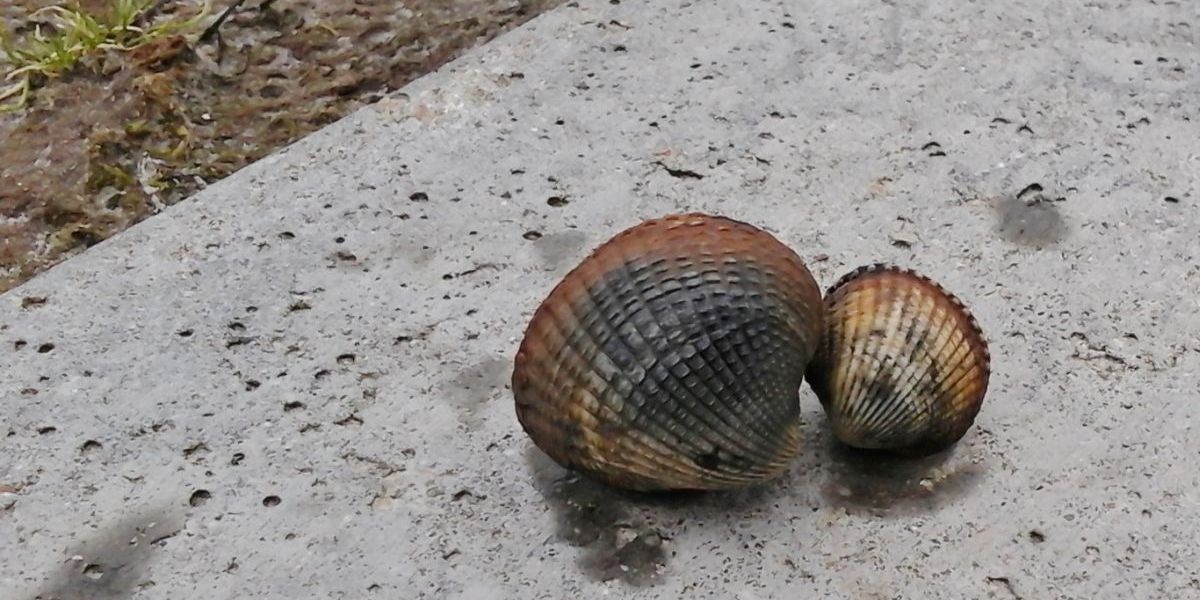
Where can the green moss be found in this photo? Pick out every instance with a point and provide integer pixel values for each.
(74, 34)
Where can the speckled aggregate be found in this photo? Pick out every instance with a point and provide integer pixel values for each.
(321, 343)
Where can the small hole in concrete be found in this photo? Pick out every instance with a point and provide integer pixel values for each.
(237, 341)
(346, 359)
(237, 459)
(199, 497)
(353, 419)
(197, 448)
(45, 348)
(90, 446)
(1029, 189)
(532, 235)
(299, 305)
(270, 501)
(93, 571)
(185, 333)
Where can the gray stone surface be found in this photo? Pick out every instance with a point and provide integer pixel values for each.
(294, 385)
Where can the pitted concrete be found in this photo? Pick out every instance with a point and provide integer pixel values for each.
(294, 385)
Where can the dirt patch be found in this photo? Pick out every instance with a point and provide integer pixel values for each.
(125, 133)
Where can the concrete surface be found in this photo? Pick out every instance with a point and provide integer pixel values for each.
(294, 385)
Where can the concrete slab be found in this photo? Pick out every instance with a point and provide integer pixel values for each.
(294, 385)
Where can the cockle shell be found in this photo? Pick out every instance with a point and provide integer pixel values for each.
(671, 358)
(903, 365)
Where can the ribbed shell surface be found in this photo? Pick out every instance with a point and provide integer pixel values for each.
(903, 365)
(671, 358)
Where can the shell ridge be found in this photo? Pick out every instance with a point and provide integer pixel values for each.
(771, 300)
(742, 357)
(719, 438)
(883, 267)
(725, 374)
(950, 397)
(855, 400)
(746, 355)
(925, 409)
(878, 413)
(652, 450)
(650, 413)
(936, 406)
(578, 359)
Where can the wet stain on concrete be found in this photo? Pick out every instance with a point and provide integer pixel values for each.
(1030, 218)
(472, 388)
(113, 564)
(613, 543)
(883, 484)
(557, 250)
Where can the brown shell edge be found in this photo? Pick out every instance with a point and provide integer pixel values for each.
(980, 338)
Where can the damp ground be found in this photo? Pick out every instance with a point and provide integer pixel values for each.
(125, 133)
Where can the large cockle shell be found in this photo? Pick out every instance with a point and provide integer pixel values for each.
(672, 357)
(903, 365)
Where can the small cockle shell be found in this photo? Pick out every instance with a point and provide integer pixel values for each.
(903, 365)
(671, 358)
